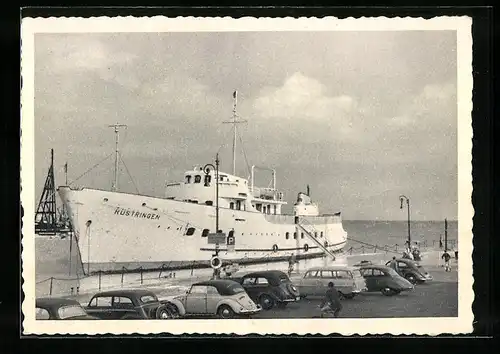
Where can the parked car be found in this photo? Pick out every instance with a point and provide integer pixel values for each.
(130, 304)
(269, 288)
(348, 281)
(60, 309)
(225, 298)
(384, 279)
(412, 271)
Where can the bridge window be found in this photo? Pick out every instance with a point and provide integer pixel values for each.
(301, 235)
(287, 235)
(275, 209)
(188, 179)
(208, 178)
(238, 204)
(205, 232)
(321, 234)
(197, 179)
(295, 235)
(190, 231)
(231, 205)
(258, 207)
(316, 234)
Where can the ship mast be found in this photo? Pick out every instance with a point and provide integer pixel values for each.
(235, 121)
(115, 181)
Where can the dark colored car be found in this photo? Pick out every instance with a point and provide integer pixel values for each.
(130, 304)
(60, 309)
(412, 271)
(269, 288)
(384, 279)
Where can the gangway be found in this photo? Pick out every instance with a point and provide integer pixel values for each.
(310, 234)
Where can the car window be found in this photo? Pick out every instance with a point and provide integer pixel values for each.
(212, 290)
(312, 274)
(236, 289)
(101, 301)
(342, 274)
(121, 301)
(198, 289)
(148, 298)
(42, 314)
(262, 281)
(366, 272)
(378, 273)
(70, 311)
(249, 281)
(402, 265)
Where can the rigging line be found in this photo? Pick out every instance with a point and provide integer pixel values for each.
(128, 172)
(83, 174)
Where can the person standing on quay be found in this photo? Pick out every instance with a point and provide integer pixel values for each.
(446, 256)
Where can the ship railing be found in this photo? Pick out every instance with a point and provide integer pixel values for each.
(266, 193)
(309, 230)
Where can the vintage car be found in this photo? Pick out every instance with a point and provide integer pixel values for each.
(269, 288)
(60, 309)
(130, 304)
(347, 280)
(384, 279)
(412, 271)
(222, 297)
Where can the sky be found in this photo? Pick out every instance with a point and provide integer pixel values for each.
(361, 117)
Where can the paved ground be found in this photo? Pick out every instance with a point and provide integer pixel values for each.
(436, 299)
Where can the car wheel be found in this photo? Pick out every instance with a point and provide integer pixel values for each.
(266, 302)
(388, 292)
(163, 313)
(411, 278)
(225, 312)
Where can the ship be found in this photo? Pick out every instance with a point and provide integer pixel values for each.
(206, 212)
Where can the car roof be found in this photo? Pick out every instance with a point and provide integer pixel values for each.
(266, 273)
(218, 283)
(54, 302)
(375, 266)
(125, 292)
(332, 267)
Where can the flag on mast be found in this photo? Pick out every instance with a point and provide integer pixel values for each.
(235, 96)
(66, 167)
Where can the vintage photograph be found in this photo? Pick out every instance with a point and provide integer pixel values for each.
(203, 174)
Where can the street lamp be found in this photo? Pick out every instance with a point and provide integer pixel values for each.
(206, 169)
(402, 198)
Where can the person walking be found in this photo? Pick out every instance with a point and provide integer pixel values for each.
(331, 303)
(446, 256)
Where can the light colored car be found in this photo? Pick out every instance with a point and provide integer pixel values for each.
(225, 298)
(347, 280)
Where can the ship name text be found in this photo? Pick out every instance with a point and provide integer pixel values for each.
(136, 214)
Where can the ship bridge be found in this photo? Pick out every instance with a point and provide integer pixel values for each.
(237, 193)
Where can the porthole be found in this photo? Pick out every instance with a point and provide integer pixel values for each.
(190, 231)
(105, 199)
(143, 204)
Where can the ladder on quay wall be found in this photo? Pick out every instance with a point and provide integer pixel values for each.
(310, 233)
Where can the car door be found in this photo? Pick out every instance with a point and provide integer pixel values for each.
(196, 300)
(379, 279)
(326, 276)
(213, 298)
(249, 286)
(261, 285)
(308, 283)
(122, 306)
(371, 283)
(101, 307)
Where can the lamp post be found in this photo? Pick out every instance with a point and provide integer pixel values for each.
(402, 198)
(206, 169)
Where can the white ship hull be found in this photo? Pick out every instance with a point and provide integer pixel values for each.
(116, 231)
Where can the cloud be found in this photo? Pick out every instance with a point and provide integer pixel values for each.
(302, 97)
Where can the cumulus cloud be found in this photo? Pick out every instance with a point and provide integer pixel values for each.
(302, 97)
